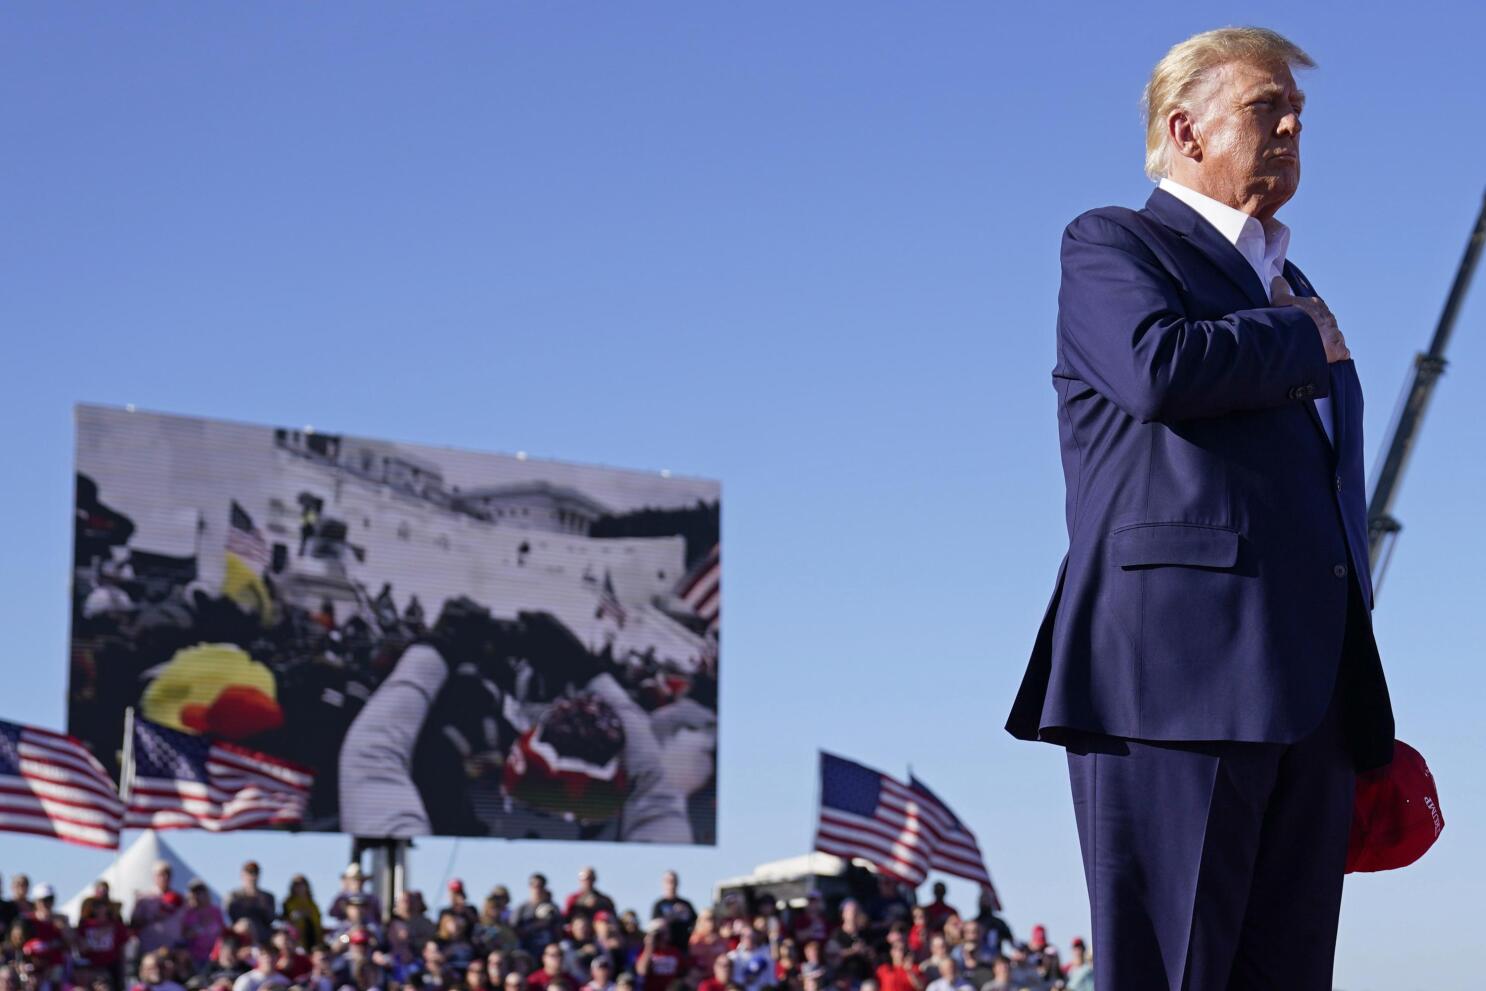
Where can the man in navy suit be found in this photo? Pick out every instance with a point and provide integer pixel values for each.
(1207, 659)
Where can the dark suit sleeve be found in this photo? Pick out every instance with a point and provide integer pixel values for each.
(1122, 328)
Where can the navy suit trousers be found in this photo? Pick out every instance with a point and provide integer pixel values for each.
(1218, 866)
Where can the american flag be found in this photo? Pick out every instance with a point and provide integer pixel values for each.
(181, 781)
(955, 849)
(609, 604)
(51, 786)
(702, 588)
(244, 540)
(902, 830)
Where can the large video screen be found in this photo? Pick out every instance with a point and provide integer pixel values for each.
(452, 643)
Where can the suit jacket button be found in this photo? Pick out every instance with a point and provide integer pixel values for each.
(1338, 483)
(1310, 390)
(1297, 392)
(1340, 571)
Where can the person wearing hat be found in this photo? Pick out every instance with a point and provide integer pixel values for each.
(49, 928)
(253, 903)
(459, 904)
(1078, 972)
(353, 883)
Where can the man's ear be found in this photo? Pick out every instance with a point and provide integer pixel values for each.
(1181, 131)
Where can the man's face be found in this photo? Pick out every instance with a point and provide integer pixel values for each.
(1249, 132)
(162, 879)
(668, 885)
(585, 880)
(552, 960)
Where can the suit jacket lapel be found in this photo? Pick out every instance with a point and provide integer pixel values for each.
(1214, 246)
(1338, 376)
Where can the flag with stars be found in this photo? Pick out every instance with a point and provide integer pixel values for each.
(181, 781)
(50, 785)
(903, 830)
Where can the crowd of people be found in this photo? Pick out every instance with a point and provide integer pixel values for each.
(181, 939)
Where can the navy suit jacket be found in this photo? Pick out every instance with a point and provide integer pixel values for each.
(1213, 530)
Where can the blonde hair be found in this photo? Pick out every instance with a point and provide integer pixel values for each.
(1178, 75)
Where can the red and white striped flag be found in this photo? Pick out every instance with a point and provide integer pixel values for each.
(955, 850)
(902, 830)
(244, 539)
(180, 781)
(50, 785)
(701, 590)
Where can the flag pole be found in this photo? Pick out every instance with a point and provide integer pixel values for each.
(126, 763)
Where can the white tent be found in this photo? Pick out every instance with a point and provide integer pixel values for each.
(133, 874)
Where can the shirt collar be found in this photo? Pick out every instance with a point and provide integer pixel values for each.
(1264, 248)
(1231, 223)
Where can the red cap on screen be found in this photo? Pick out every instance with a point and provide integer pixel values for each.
(1395, 815)
(34, 947)
(456, 885)
(1039, 936)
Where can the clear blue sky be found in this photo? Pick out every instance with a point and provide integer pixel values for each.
(808, 249)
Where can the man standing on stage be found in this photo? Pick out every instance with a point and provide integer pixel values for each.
(1207, 659)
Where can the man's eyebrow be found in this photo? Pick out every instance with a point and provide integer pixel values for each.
(1270, 91)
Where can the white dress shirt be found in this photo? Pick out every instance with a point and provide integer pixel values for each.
(1264, 250)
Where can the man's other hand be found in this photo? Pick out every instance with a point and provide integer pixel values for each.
(1317, 310)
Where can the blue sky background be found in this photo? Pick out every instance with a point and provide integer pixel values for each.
(808, 249)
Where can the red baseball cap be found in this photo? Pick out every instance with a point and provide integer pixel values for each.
(1395, 814)
(456, 885)
(1039, 937)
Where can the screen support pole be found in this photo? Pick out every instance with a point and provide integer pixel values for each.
(389, 866)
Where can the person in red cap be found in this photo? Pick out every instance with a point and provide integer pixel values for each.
(1078, 972)
(459, 904)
